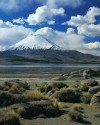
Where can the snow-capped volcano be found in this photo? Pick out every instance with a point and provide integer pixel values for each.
(35, 41)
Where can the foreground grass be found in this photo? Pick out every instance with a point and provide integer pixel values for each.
(28, 102)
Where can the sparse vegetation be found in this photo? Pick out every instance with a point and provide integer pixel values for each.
(56, 99)
(9, 117)
(7, 98)
(75, 116)
(61, 78)
(86, 98)
(76, 107)
(34, 95)
(84, 87)
(61, 105)
(67, 95)
(59, 85)
(14, 89)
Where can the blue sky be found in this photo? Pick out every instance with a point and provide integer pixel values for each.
(79, 19)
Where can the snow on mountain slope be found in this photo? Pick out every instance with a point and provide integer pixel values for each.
(35, 41)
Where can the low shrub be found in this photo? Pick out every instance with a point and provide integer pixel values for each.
(14, 89)
(86, 98)
(18, 83)
(75, 116)
(7, 98)
(42, 88)
(1, 87)
(46, 88)
(59, 85)
(51, 111)
(25, 85)
(6, 88)
(67, 95)
(9, 117)
(37, 108)
(61, 78)
(61, 105)
(20, 111)
(76, 107)
(34, 95)
(84, 87)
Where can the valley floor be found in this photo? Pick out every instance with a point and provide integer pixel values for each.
(91, 113)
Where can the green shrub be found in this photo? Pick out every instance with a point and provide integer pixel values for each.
(86, 98)
(18, 83)
(14, 89)
(42, 89)
(9, 117)
(7, 99)
(59, 85)
(25, 85)
(61, 78)
(84, 87)
(51, 111)
(60, 105)
(36, 108)
(75, 116)
(20, 111)
(8, 83)
(67, 95)
(1, 87)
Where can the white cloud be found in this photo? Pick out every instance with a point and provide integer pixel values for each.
(92, 48)
(70, 31)
(67, 40)
(5, 24)
(92, 13)
(85, 24)
(44, 14)
(19, 21)
(60, 3)
(64, 23)
(89, 30)
(2, 48)
(15, 5)
(10, 34)
(1, 22)
(77, 21)
(70, 40)
(93, 45)
(89, 18)
(52, 22)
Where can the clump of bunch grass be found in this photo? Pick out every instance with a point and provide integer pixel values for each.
(60, 105)
(59, 85)
(61, 78)
(9, 117)
(20, 111)
(76, 116)
(35, 95)
(76, 107)
(86, 98)
(84, 87)
(14, 89)
(17, 82)
(67, 95)
(7, 98)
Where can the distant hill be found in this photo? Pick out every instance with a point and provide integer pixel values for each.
(30, 56)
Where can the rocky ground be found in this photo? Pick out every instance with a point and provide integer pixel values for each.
(72, 99)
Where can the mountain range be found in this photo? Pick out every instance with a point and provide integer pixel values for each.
(37, 48)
